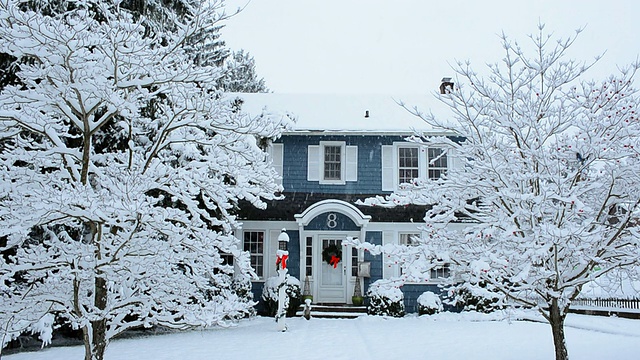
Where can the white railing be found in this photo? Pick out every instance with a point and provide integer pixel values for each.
(609, 303)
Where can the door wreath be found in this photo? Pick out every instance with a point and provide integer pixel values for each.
(332, 255)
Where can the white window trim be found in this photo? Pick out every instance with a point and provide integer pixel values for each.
(343, 162)
(265, 241)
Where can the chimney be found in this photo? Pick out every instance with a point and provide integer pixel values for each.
(446, 86)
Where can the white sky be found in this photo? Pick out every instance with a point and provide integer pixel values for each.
(407, 46)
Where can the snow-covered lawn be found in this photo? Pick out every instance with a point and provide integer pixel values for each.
(443, 336)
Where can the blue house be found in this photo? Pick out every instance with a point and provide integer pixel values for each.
(342, 149)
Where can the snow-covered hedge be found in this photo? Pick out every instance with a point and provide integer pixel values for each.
(385, 298)
(429, 303)
(474, 298)
(270, 295)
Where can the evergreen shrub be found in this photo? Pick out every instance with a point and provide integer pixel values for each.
(429, 303)
(270, 295)
(385, 298)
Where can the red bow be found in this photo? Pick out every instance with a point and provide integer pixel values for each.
(282, 260)
(334, 261)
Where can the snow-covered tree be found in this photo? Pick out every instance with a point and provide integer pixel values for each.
(240, 74)
(548, 182)
(120, 167)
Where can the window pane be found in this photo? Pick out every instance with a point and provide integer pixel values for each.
(441, 272)
(309, 252)
(332, 161)
(407, 164)
(437, 163)
(408, 239)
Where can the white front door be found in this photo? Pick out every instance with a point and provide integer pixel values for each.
(332, 284)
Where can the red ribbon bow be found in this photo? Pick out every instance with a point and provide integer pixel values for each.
(334, 261)
(282, 260)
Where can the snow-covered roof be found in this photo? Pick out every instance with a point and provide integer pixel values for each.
(329, 113)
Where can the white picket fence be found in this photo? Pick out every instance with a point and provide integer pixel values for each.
(607, 304)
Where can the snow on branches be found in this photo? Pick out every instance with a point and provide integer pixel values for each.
(120, 167)
(548, 182)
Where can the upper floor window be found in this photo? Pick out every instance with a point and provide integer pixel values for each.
(403, 162)
(407, 164)
(437, 162)
(332, 162)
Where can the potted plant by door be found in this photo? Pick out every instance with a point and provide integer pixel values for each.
(357, 299)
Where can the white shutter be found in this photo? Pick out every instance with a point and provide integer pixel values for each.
(352, 163)
(389, 270)
(388, 170)
(276, 152)
(313, 163)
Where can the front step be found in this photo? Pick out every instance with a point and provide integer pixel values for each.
(340, 311)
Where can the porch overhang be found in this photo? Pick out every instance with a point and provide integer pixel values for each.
(332, 205)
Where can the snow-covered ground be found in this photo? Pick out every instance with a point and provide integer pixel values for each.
(443, 336)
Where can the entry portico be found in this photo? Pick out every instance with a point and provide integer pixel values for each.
(323, 225)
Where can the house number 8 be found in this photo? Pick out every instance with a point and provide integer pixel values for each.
(332, 220)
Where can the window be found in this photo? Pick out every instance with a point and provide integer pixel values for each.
(354, 262)
(437, 163)
(403, 162)
(441, 271)
(254, 244)
(409, 239)
(309, 256)
(332, 163)
(407, 164)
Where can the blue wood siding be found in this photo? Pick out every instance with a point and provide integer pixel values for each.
(294, 254)
(413, 291)
(342, 223)
(373, 237)
(295, 163)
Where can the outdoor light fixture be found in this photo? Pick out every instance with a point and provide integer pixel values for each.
(283, 240)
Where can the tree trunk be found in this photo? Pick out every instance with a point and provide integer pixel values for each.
(96, 344)
(556, 320)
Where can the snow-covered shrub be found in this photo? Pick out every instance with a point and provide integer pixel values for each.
(270, 295)
(474, 298)
(242, 287)
(385, 298)
(429, 303)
